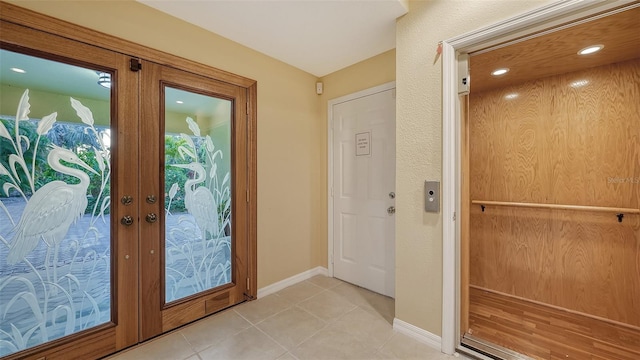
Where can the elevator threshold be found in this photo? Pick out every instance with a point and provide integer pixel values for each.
(490, 349)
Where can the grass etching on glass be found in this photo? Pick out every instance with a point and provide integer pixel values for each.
(198, 211)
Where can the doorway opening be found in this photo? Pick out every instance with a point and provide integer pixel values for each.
(549, 235)
(546, 19)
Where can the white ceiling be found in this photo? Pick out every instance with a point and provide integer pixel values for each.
(317, 36)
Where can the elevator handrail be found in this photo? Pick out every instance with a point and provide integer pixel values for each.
(619, 211)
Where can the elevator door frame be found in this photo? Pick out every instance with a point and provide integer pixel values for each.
(520, 27)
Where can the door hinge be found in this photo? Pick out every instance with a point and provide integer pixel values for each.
(247, 196)
(454, 216)
(135, 65)
(248, 296)
(247, 108)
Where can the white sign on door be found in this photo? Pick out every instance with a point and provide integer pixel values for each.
(363, 144)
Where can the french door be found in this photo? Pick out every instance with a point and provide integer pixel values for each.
(193, 247)
(125, 189)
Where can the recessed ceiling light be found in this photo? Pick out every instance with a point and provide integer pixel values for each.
(511, 96)
(499, 72)
(18, 70)
(179, 102)
(590, 49)
(579, 83)
(104, 79)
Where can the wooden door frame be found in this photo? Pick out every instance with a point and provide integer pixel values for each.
(156, 316)
(330, 164)
(12, 15)
(518, 28)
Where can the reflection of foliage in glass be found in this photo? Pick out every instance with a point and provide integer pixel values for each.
(28, 130)
(172, 174)
(66, 135)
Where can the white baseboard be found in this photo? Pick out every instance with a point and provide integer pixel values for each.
(417, 333)
(275, 287)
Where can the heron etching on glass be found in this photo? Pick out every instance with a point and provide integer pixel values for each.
(199, 201)
(51, 210)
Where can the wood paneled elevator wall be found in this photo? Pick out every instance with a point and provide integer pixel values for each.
(557, 283)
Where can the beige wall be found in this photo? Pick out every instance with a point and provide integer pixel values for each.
(419, 143)
(289, 148)
(374, 71)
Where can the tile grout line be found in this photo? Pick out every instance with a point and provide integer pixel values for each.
(224, 338)
(328, 322)
(384, 343)
(258, 322)
(293, 305)
(307, 298)
(326, 325)
(188, 342)
(377, 349)
(296, 305)
(274, 340)
(312, 314)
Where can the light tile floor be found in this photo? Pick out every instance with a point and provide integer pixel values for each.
(320, 318)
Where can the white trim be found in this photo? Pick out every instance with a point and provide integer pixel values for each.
(449, 103)
(360, 94)
(275, 287)
(417, 333)
(530, 22)
(558, 25)
(523, 25)
(330, 104)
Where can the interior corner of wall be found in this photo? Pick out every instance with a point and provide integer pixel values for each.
(405, 4)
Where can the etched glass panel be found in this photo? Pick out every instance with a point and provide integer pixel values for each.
(197, 193)
(55, 266)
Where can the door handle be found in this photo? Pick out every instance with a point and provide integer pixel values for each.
(391, 210)
(126, 220)
(151, 218)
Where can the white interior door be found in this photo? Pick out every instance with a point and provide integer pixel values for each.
(364, 153)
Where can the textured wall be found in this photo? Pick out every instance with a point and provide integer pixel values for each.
(419, 143)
